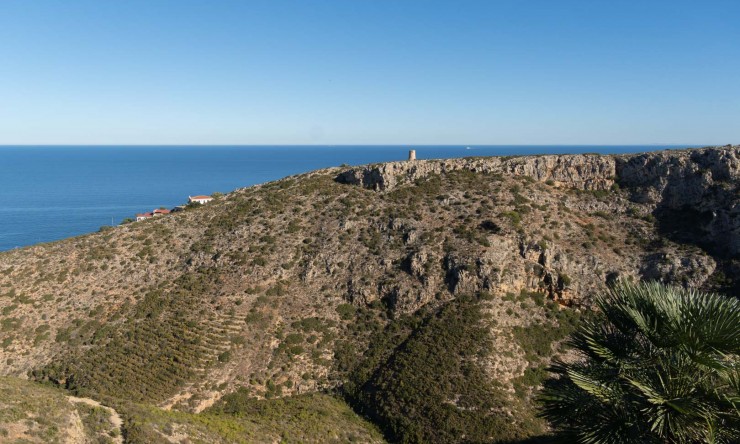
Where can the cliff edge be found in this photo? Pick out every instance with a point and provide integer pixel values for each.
(703, 183)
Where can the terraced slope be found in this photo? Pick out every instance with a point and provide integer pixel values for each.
(168, 339)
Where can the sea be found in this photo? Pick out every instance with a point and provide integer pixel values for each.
(54, 192)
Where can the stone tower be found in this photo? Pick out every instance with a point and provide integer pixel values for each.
(412, 155)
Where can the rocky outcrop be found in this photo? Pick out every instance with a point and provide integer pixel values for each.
(586, 171)
(689, 270)
(680, 177)
(693, 193)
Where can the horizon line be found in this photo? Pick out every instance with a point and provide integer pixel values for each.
(353, 145)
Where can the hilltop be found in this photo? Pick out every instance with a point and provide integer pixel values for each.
(370, 283)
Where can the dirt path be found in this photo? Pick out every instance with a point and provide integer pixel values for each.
(115, 418)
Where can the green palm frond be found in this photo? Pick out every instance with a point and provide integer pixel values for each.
(659, 364)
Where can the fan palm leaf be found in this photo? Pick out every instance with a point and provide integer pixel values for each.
(658, 364)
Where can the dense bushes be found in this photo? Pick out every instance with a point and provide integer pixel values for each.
(431, 386)
(238, 418)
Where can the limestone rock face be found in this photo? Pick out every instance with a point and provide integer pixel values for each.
(696, 191)
(702, 183)
(586, 172)
(678, 178)
(691, 195)
(687, 268)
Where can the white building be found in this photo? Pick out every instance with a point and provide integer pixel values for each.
(199, 199)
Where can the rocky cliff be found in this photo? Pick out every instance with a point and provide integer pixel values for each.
(695, 193)
(585, 172)
(703, 181)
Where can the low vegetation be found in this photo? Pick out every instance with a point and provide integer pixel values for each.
(239, 418)
(33, 413)
(155, 352)
(424, 379)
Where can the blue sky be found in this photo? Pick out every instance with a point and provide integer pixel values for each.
(369, 72)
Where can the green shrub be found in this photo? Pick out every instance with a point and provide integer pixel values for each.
(346, 311)
(564, 280)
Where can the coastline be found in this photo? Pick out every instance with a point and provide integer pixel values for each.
(58, 192)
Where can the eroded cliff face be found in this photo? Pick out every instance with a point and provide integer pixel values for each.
(585, 172)
(694, 193)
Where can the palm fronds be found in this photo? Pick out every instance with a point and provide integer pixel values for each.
(659, 364)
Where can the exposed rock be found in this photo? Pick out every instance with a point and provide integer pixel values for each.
(689, 270)
(586, 172)
(704, 182)
(697, 193)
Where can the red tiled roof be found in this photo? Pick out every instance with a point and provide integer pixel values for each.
(144, 215)
(161, 211)
(200, 197)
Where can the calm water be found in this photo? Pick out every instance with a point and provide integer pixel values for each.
(49, 193)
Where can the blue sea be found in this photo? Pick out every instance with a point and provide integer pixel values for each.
(53, 192)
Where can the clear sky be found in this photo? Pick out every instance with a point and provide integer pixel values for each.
(369, 72)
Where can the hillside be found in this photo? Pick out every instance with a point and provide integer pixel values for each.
(32, 413)
(349, 280)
